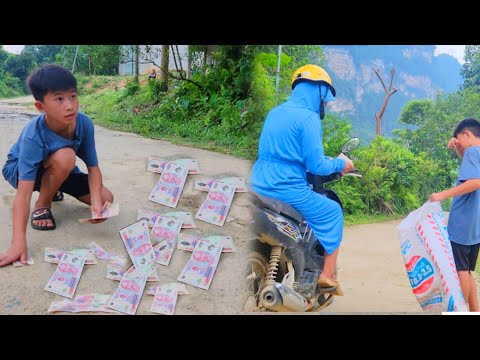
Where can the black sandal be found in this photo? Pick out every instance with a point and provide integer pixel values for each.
(58, 196)
(42, 214)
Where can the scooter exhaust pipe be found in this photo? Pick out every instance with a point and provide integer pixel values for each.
(278, 297)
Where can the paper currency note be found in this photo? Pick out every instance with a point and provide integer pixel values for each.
(101, 253)
(182, 289)
(225, 241)
(117, 267)
(53, 255)
(83, 303)
(109, 210)
(156, 164)
(201, 267)
(128, 293)
(65, 279)
(150, 216)
(164, 253)
(188, 242)
(185, 217)
(190, 164)
(29, 261)
(164, 301)
(165, 231)
(152, 274)
(204, 183)
(136, 238)
(168, 189)
(215, 208)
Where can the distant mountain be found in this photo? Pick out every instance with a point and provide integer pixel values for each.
(419, 75)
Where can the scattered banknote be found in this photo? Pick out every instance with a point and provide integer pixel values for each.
(182, 289)
(150, 216)
(204, 183)
(53, 255)
(152, 274)
(29, 261)
(155, 164)
(164, 301)
(101, 253)
(164, 253)
(215, 208)
(201, 267)
(128, 293)
(83, 303)
(109, 210)
(185, 217)
(168, 189)
(136, 238)
(165, 231)
(188, 242)
(117, 267)
(65, 279)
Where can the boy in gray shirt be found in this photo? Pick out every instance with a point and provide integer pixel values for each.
(464, 219)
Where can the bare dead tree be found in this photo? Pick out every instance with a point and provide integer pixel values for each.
(388, 92)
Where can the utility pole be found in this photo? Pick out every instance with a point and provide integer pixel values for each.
(278, 73)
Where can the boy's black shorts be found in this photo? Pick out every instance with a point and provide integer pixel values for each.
(75, 185)
(465, 256)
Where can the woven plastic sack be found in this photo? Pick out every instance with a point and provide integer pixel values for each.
(428, 258)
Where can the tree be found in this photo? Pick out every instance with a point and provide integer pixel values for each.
(164, 66)
(91, 59)
(471, 68)
(136, 62)
(21, 66)
(388, 93)
(44, 54)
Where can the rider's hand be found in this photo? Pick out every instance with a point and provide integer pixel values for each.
(349, 167)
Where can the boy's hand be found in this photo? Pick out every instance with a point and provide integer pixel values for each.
(437, 197)
(97, 208)
(453, 143)
(12, 254)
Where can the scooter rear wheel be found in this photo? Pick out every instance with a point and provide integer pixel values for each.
(255, 276)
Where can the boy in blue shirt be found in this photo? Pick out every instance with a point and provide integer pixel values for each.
(43, 158)
(464, 220)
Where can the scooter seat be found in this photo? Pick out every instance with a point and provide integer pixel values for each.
(280, 207)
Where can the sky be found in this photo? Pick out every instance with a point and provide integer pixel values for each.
(457, 51)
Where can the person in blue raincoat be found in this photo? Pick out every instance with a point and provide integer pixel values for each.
(290, 144)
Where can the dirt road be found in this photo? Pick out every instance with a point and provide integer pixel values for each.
(372, 272)
(122, 158)
(370, 265)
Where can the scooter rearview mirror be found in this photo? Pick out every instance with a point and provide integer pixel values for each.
(351, 144)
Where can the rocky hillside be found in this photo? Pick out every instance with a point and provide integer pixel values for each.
(419, 75)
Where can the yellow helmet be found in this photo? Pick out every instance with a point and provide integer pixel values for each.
(312, 73)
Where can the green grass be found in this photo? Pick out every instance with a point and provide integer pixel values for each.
(137, 114)
(371, 219)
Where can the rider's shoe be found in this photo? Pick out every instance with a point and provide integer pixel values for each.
(330, 286)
